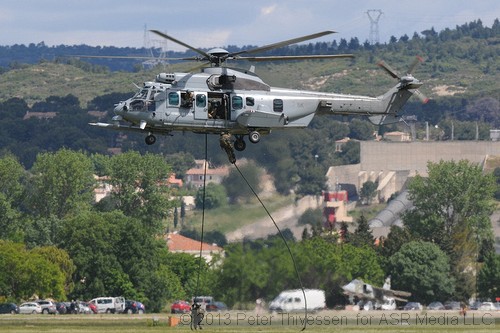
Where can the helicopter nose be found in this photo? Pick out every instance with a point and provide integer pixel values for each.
(120, 108)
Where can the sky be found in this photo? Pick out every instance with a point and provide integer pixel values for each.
(219, 23)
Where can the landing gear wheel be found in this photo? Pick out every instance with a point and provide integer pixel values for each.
(150, 139)
(254, 137)
(240, 144)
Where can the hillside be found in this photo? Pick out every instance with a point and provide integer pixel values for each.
(360, 76)
(459, 62)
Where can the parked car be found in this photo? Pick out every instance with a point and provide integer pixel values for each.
(9, 308)
(412, 306)
(217, 307)
(475, 305)
(180, 307)
(452, 305)
(47, 306)
(92, 307)
(487, 306)
(435, 306)
(62, 307)
(30, 308)
(134, 307)
(83, 307)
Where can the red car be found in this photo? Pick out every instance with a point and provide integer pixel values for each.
(180, 307)
(92, 307)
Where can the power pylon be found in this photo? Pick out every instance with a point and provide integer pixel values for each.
(374, 16)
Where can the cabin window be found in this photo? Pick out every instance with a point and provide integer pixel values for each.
(278, 105)
(237, 102)
(201, 101)
(250, 101)
(173, 98)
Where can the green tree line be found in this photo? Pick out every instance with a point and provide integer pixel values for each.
(56, 242)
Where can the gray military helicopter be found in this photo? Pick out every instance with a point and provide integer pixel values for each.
(229, 101)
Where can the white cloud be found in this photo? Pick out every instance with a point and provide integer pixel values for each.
(267, 10)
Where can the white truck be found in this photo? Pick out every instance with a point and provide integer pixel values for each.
(293, 301)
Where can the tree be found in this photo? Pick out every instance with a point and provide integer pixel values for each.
(452, 209)
(311, 216)
(362, 236)
(423, 269)
(11, 177)
(212, 196)
(368, 192)
(60, 258)
(24, 273)
(139, 187)
(180, 163)
(264, 268)
(176, 217)
(236, 186)
(455, 197)
(62, 182)
(489, 277)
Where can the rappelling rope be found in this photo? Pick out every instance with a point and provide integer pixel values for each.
(284, 241)
(195, 307)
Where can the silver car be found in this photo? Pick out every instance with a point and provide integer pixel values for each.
(30, 308)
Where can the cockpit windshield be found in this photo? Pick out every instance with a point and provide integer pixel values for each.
(142, 94)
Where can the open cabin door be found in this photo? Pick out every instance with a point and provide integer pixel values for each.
(201, 106)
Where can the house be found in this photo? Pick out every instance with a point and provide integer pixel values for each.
(103, 188)
(39, 115)
(195, 176)
(180, 244)
(397, 136)
(340, 143)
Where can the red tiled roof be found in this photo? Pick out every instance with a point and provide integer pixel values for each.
(179, 243)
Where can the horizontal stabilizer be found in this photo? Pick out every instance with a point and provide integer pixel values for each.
(384, 119)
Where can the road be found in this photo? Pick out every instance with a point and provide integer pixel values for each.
(286, 217)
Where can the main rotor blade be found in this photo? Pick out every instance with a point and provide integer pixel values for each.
(159, 33)
(133, 57)
(414, 64)
(421, 96)
(283, 43)
(301, 57)
(388, 69)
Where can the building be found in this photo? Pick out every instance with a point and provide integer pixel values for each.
(340, 143)
(397, 136)
(180, 244)
(195, 176)
(103, 188)
(335, 208)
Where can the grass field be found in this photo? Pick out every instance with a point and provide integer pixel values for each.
(326, 321)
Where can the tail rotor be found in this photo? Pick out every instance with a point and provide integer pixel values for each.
(407, 81)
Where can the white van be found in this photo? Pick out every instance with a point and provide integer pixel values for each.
(293, 301)
(203, 301)
(109, 304)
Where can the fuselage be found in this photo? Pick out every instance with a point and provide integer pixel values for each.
(221, 99)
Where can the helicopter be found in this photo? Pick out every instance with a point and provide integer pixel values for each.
(237, 103)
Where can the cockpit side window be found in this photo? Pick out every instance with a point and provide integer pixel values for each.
(152, 95)
(237, 102)
(250, 101)
(201, 101)
(173, 98)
